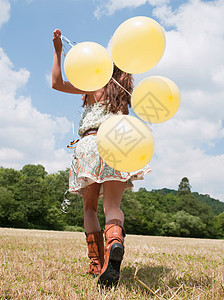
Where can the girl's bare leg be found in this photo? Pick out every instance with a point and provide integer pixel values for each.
(90, 205)
(112, 195)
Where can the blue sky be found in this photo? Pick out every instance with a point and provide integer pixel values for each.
(36, 121)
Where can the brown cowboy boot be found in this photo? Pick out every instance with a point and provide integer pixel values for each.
(113, 254)
(95, 252)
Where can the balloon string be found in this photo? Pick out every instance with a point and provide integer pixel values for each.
(121, 86)
(68, 41)
(94, 98)
(64, 39)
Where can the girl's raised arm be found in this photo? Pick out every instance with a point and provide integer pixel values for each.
(57, 81)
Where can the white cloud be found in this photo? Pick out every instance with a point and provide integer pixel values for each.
(195, 47)
(27, 135)
(109, 7)
(10, 79)
(158, 2)
(182, 149)
(218, 75)
(204, 171)
(185, 17)
(4, 11)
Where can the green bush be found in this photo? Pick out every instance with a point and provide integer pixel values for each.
(74, 228)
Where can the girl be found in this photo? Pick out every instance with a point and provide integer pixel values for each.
(91, 177)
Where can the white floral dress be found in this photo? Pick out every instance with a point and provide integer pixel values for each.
(87, 165)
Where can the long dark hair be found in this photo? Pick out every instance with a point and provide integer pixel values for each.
(118, 98)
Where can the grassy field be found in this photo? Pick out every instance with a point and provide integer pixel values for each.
(52, 265)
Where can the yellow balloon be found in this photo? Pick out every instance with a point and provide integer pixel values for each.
(138, 45)
(155, 99)
(125, 143)
(88, 66)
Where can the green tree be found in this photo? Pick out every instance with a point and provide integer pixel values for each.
(191, 205)
(186, 225)
(36, 171)
(9, 177)
(56, 185)
(216, 205)
(11, 214)
(31, 198)
(75, 213)
(55, 219)
(219, 225)
(30, 192)
(184, 187)
(135, 221)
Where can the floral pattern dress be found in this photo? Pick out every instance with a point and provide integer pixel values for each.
(87, 165)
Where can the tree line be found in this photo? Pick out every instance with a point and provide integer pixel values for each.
(31, 198)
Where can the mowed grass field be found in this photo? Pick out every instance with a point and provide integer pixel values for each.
(52, 265)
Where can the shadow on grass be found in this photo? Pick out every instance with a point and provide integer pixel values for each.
(162, 279)
(150, 276)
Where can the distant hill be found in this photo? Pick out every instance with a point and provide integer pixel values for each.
(216, 205)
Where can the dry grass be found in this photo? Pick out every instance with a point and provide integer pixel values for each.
(51, 265)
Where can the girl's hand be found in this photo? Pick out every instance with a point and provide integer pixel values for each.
(57, 40)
